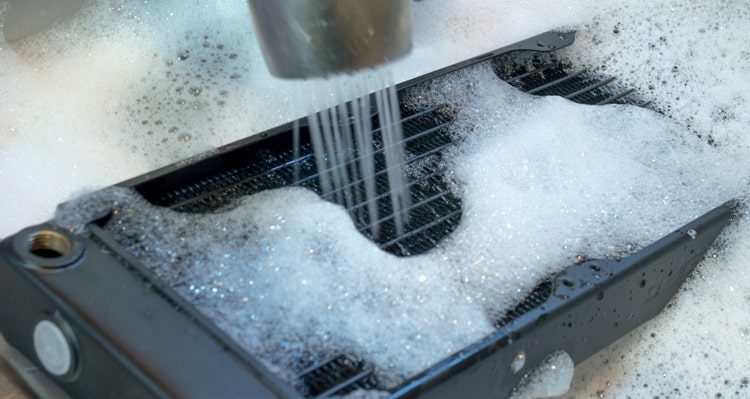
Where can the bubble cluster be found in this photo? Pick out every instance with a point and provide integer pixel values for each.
(591, 189)
(550, 378)
(185, 94)
(122, 88)
(73, 115)
(287, 252)
(683, 57)
(127, 86)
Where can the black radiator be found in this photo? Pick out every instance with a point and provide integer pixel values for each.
(131, 335)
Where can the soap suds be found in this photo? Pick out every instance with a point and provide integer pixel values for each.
(528, 210)
(124, 87)
(544, 180)
(682, 55)
(685, 57)
(60, 136)
(696, 347)
(550, 378)
(287, 252)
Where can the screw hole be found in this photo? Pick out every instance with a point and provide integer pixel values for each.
(49, 244)
(45, 248)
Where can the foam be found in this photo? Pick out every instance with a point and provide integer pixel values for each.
(447, 32)
(116, 76)
(140, 86)
(544, 180)
(86, 85)
(550, 378)
(683, 57)
(288, 252)
(529, 210)
(695, 348)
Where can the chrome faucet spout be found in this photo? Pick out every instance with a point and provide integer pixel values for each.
(304, 38)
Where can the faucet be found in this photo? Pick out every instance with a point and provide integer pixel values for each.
(27, 17)
(298, 38)
(318, 38)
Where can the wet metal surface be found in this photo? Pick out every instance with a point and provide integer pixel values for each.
(10, 388)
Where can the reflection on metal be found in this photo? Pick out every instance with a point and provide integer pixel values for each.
(20, 379)
(318, 38)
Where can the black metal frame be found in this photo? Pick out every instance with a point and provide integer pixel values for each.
(590, 305)
(135, 337)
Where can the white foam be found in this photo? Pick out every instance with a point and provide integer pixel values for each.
(287, 252)
(105, 76)
(447, 32)
(544, 180)
(81, 83)
(139, 86)
(549, 378)
(684, 56)
(695, 348)
(529, 209)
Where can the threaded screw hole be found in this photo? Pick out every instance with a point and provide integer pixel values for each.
(49, 244)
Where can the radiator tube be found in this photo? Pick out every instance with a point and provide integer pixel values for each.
(317, 38)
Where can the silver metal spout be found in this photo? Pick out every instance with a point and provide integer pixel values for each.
(317, 38)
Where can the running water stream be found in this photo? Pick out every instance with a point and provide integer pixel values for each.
(345, 143)
(107, 96)
(528, 211)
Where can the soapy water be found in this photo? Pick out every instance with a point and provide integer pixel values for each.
(345, 146)
(286, 252)
(536, 193)
(689, 59)
(551, 377)
(691, 67)
(65, 91)
(124, 87)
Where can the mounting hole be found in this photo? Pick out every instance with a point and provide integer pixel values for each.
(49, 244)
(47, 248)
(568, 282)
(53, 348)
